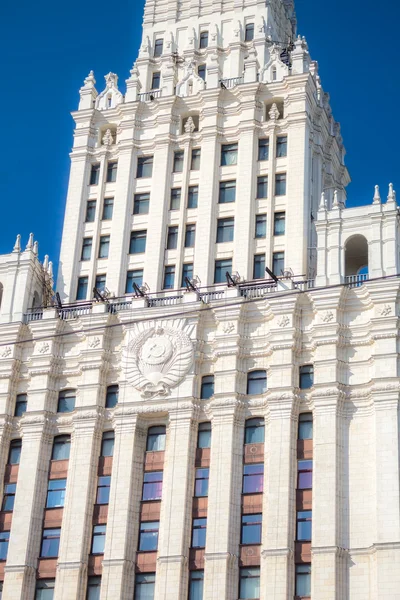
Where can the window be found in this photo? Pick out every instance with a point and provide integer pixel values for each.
(4, 539)
(201, 72)
(225, 230)
(152, 486)
(204, 436)
(144, 166)
(172, 238)
(178, 161)
(199, 531)
(107, 443)
(278, 263)
(98, 539)
(256, 382)
(251, 529)
(9, 497)
(86, 249)
(103, 490)
(133, 277)
(61, 447)
(249, 32)
(50, 543)
(281, 146)
(94, 174)
(304, 525)
(229, 154)
(112, 168)
(14, 455)
(207, 387)
(263, 149)
(112, 396)
(190, 235)
(148, 536)
(144, 586)
(249, 583)
(158, 47)
(90, 211)
(259, 266)
(108, 208)
(156, 80)
(262, 187)
(56, 493)
(169, 277)
(195, 163)
(201, 483)
(20, 405)
(254, 431)
(175, 199)
(253, 479)
(93, 589)
(280, 184)
(203, 40)
(187, 272)
(305, 426)
(141, 204)
(104, 246)
(156, 439)
(81, 292)
(279, 223)
(193, 196)
(196, 581)
(303, 581)
(261, 226)
(227, 192)
(304, 474)
(66, 401)
(100, 283)
(221, 268)
(44, 589)
(306, 377)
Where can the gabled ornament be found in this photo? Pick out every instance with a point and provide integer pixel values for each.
(88, 92)
(275, 69)
(191, 84)
(110, 97)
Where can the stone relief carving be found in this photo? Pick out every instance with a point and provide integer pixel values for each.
(228, 327)
(5, 352)
(386, 310)
(94, 342)
(43, 347)
(284, 321)
(328, 317)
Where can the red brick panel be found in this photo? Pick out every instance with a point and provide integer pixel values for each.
(58, 469)
(11, 474)
(53, 517)
(250, 556)
(252, 504)
(304, 449)
(100, 514)
(303, 552)
(154, 461)
(253, 453)
(150, 511)
(105, 466)
(47, 568)
(199, 509)
(203, 458)
(146, 562)
(95, 566)
(196, 558)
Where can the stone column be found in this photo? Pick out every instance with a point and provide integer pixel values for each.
(175, 519)
(224, 499)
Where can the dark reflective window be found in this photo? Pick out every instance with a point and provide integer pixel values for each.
(254, 431)
(253, 479)
(61, 447)
(156, 439)
(251, 529)
(103, 490)
(152, 486)
(207, 387)
(56, 493)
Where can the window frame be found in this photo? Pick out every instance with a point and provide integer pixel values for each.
(300, 575)
(204, 385)
(279, 218)
(61, 441)
(144, 532)
(193, 196)
(280, 180)
(15, 448)
(227, 189)
(225, 227)
(179, 161)
(187, 271)
(281, 146)
(261, 221)
(156, 438)
(307, 418)
(90, 207)
(263, 148)
(229, 154)
(21, 401)
(259, 262)
(140, 579)
(155, 80)
(104, 247)
(199, 492)
(249, 32)
(8, 494)
(303, 471)
(102, 481)
(100, 533)
(112, 389)
(50, 536)
(107, 440)
(242, 579)
(204, 428)
(108, 204)
(194, 158)
(82, 288)
(63, 397)
(62, 482)
(199, 530)
(278, 258)
(141, 203)
(219, 268)
(100, 282)
(87, 245)
(203, 40)
(172, 237)
(299, 521)
(94, 174)
(144, 163)
(130, 278)
(148, 485)
(251, 427)
(262, 187)
(158, 47)
(169, 277)
(190, 235)
(306, 376)
(175, 198)
(253, 525)
(253, 478)
(112, 170)
(251, 377)
(4, 542)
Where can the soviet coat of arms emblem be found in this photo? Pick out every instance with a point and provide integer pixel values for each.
(158, 357)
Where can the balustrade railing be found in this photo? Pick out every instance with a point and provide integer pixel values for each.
(149, 96)
(257, 291)
(356, 280)
(35, 314)
(231, 82)
(164, 301)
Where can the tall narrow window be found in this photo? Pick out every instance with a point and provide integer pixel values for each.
(158, 47)
(148, 536)
(108, 209)
(104, 246)
(66, 401)
(306, 377)
(221, 268)
(261, 226)
(254, 431)
(98, 539)
(207, 387)
(90, 211)
(257, 382)
(249, 583)
(103, 490)
(156, 439)
(169, 277)
(172, 238)
(145, 586)
(193, 196)
(21, 405)
(56, 493)
(138, 242)
(262, 187)
(225, 230)
(278, 263)
(144, 166)
(201, 483)
(199, 531)
(281, 146)
(251, 529)
(280, 184)
(253, 479)
(196, 583)
(94, 588)
(202, 71)
(175, 198)
(44, 589)
(4, 539)
(141, 204)
(229, 154)
(263, 149)
(132, 277)
(279, 223)
(14, 455)
(259, 266)
(178, 161)
(305, 426)
(195, 162)
(249, 32)
(203, 40)
(304, 525)
(112, 396)
(187, 273)
(227, 192)
(112, 168)
(61, 447)
(107, 443)
(94, 174)
(303, 581)
(9, 497)
(204, 435)
(50, 543)
(304, 474)
(86, 248)
(81, 292)
(156, 80)
(100, 283)
(152, 486)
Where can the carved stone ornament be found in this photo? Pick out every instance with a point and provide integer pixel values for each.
(190, 126)
(5, 352)
(94, 342)
(386, 310)
(108, 139)
(158, 357)
(328, 317)
(43, 347)
(228, 328)
(284, 321)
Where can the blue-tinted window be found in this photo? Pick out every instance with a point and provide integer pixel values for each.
(107, 444)
(148, 536)
(261, 226)
(50, 543)
(152, 486)
(158, 47)
(61, 447)
(249, 32)
(225, 230)
(203, 43)
(94, 587)
(229, 154)
(193, 196)
(156, 80)
(263, 149)
(4, 539)
(169, 277)
(259, 266)
(132, 277)
(195, 164)
(100, 283)
(81, 292)
(280, 184)
(253, 479)
(254, 431)
(201, 483)
(304, 525)
(56, 493)
(172, 238)
(190, 235)
(9, 497)
(278, 263)
(144, 586)
(98, 539)
(138, 242)
(251, 529)
(156, 439)
(201, 71)
(281, 146)
(86, 248)
(104, 246)
(196, 582)
(279, 223)
(144, 166)
(141, 204)
(306, 376)
(103, 490)
(304, 474)
(187, 272)
(227, 192)
(112, 396)
(221, 268)
(21, 405)
(262, 187)
(207, 387)
(249, 583)
(94, 174)
(178, 161)
(199, 532)
(90, 211)
(257, 382)
(66, 401)
(108, 209)
(45, 589)
(175, 198)
(15, 452)
(204, 436)
(305, 426)
(303, 581)
(112, 168)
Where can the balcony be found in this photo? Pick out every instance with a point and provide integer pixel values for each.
(231, 82)
(150, 96)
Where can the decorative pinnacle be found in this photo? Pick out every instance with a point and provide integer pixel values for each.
(17, 245)
(335, 199)
(322, 204)
(46, 262)
(29, 245)
(90, 80)
(36, 248)
(392, 194)
(50, 270)
(377, 196)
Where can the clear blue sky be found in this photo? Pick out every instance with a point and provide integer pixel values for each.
(48, 47)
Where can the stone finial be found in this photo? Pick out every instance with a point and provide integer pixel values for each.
(190, 126)
(46, 262)
(322, 204)
(90, 81)
(108, 139)
(274, 113)
(29, 245)
(36, 248)
(377, 196)
(50, 270)
(111, 80)
(145, 47)
(336, 202)
(392, 194)
(17, 245)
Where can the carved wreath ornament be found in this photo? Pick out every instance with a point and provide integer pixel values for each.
(158, 357)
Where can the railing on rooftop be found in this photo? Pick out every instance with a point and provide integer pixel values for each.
(257, 290)
(164, 301)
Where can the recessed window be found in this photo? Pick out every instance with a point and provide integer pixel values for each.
(305, 426)
(203, 42)
(178, 161)
(187, 273)
(229, 155)
(93, 589)
(279, 223)
(104, 246)
(4, 539)
(304, 474)
(251, 529)
(225, 230)
(207, 387)
(148, 536)
(156, 81)
(249, 32)
(262, 187)
(90, 211)
(132, 277)
(278, 263)
(196, 583)
(261, 226)
(9, 497)
(202, 71)
(44, 589)
(138, 242)
(172, 238)
(66, 401)
(95, 174)
(253, 479)
(227, 192)
(193, 196)
(195, 162)
(304, 525)
(201, 483)
(222, 267)
(254, 431)
(61, 447)
(141, 204)
(259, 266)
(158, 47)
(144, 586)
(108, 209)
(86, 248)
(249, 583)
(169, 277)
(281, 146)
(156, 439)
(103, 490)
(303, 581)
(175, 199)
(306, 377)
(152, 486)
(112, 396)
(144, 166)
(263, 149)
(50, 543)
(107, 443)
(280, 184)
(190, 235)
(21, 405)
(257, 382)
(81, 292)
(98, 539)
(204, 435)
(56, 493)
(199, 531)
(112, 168)
(100, 283)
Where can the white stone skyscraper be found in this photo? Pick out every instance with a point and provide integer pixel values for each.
(178, 422)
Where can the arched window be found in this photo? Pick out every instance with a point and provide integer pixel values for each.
(207, 387)
(204, 437)
(107, 444)
(15, 452)
(61, 447)
(156, 439)
(112, 396)
(66, 401)
(254, 431)
(256, 382)
(356, 259)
